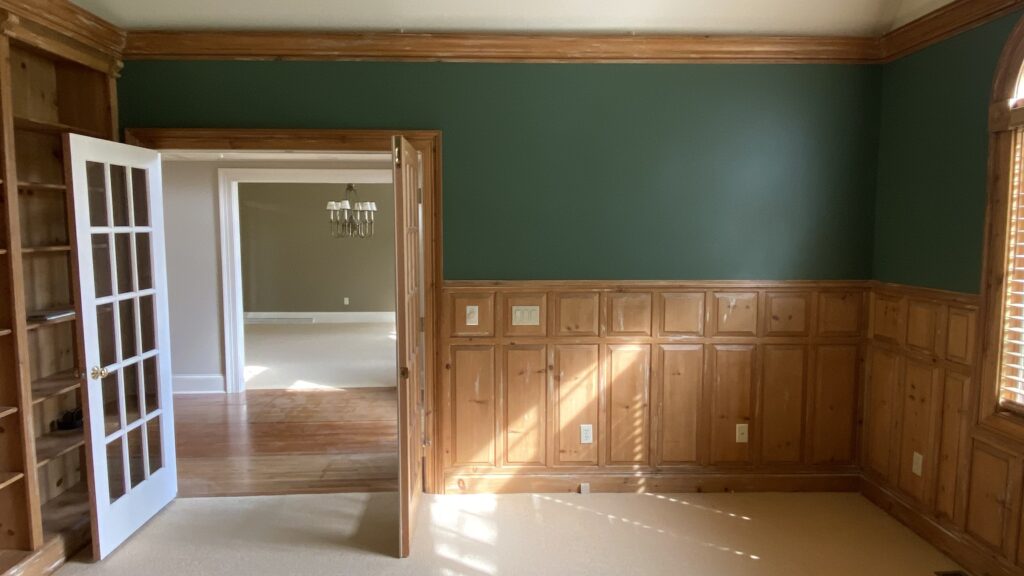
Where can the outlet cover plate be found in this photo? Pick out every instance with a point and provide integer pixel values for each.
(586, 433)
(472, 315)
(742, 433)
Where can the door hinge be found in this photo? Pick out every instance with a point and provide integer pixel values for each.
(398, 156)
(404, 372)
(419, 195)
(421, 323)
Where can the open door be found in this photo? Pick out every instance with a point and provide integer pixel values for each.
(410, 326)
(118, 221)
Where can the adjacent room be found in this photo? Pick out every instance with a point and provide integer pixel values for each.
(494, 288)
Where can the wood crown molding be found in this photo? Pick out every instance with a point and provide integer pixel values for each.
(71, 21)
(952, 19)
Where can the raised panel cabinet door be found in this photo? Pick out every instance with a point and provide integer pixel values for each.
(473, 395)
(629, 370)
(954, 412)
(576, 314)
(883, 379)
(988, 496)
(577, 369)
(782, 414)
(735, 313)
(960, 334)
(526, 380)
(839, 313)
(922, 397)
(682, 313)
(888, 317)
(682, 382)
(629, 314)
(835, 404)
(122, 279)
(732, 387)
(473, 314)
(922, 326)
(788, 313)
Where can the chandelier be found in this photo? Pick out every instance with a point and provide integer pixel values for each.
(351, 218)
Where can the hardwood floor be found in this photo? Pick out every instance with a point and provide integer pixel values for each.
(287, 442)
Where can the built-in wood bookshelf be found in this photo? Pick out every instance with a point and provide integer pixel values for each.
(53, 80)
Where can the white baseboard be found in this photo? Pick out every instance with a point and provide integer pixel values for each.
(199, 384)
(318, 317)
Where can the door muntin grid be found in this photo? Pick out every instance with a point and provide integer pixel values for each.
(126, 323)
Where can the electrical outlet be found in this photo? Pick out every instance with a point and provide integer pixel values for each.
(918, 463)
(346, 300)
(472, 315)
(584, 487)
(586, 433)
(742, 433)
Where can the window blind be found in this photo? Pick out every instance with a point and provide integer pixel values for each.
(1011, 368)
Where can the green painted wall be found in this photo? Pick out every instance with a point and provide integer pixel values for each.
(590, 171)
(933, 155)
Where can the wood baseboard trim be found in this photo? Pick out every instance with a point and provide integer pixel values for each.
(649, 482)
(974, 557)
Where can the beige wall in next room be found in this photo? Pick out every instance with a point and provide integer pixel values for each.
(290, 263)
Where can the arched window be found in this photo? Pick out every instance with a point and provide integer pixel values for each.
(1002, 399)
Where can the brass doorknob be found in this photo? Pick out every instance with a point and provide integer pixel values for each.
(96, 373)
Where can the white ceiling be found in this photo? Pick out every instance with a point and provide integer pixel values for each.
(761, 17)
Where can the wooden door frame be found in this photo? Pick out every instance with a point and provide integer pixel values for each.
(427, 142)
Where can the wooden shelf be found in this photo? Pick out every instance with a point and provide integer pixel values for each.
(67, 512)
(46, 249)
(21, 123)
(11, 558)
(55, 385)
(41, 186)
(35, 325)
(56, 444)
(6, 411)
(8, 478)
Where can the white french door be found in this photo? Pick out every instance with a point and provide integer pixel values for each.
(123, 286)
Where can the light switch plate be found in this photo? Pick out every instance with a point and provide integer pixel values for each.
(526, 315)
(586, 433)
(918, 464)
(472, 315)
(742, 433)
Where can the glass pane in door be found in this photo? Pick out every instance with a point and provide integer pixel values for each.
(96, 175)
(119, 195)
(115, 469)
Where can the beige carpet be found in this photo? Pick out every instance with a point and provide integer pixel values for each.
(528, 534)
(319, 356)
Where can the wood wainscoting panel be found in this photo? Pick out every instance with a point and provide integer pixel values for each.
(628, 314)
(988, 496)
(840, 314)
(577, 380)
(525, 418)
(960, 334)
(835, 403)
(888, 318)
(629, 370)
(922, 397)
(473, 403)
(735, 313)
(783, 381)
(517, 314)
(880, 393)
(682, 314)
(732, 395)
(789, 313)
(955, 400)
(682, 382)
(922, 326)
(473, 314)
(576, 314)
